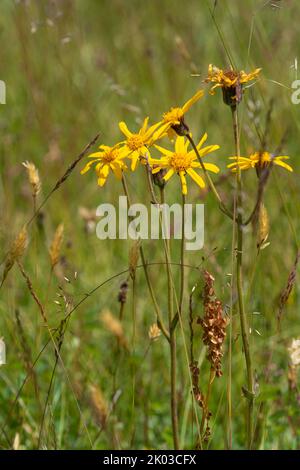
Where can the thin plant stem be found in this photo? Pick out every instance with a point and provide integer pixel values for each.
(249, 393)
(208, 179)
(206, 400)
(173, 358)
(148, 280)
(182, 273)
(133, 359)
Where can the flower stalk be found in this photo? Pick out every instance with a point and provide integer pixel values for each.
(249, 393)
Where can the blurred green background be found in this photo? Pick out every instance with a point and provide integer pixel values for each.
(75, 68)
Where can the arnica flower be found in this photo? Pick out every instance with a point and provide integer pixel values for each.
(259, 160)
(183, 162)
(231, 82)
(136, 145)
(109, 158)
(174, 119)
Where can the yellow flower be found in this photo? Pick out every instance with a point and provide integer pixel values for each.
(259, 160)
(183, 162)
(230, 81)
(136, 145)
(174, 118)
(110, 158)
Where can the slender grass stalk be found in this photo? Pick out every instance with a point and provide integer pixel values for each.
(182, 273)
(148, 280)
(134, 299)
(172, 329)
(249, 393)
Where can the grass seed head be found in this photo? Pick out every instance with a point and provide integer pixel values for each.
(154, 332)
(114, 326)
(98, 405)
(33, 176)
(56, 245)
(16, 251)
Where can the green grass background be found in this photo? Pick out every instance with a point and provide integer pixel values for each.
(75, 68)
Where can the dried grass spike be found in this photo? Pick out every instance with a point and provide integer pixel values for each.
(16, 251)
(154, 332)
(56, 244)
(98, 405)
(115, 327)
(288, 288)
(33, 176)
(263, 227)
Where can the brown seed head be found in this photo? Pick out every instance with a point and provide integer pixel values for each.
(213, 324)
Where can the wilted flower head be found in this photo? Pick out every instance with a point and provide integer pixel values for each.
(231, 81)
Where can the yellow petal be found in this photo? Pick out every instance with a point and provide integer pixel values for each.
(193, 100)
(197, 178)
(166, 152)
(205, 150)
(134, 160)
(96, 155)
(283, 164)
(202, 140)
(144, 126)
(124, 129)
(212, 167)
(180, 145)
(169, 174)
(183, 182)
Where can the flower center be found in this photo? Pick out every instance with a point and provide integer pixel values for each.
(231, 74)
(174, 115)
(135, 141)
(262, 158)
(180, 161)
(110, 155)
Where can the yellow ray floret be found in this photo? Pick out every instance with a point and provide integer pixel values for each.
(183, 162)
(136, 144)
(228, 78)
(109, 158)
(258, 160)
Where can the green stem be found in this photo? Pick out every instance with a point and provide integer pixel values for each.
(208, 179)
(174, 405)
(239, 279)
(182, 259)
(160, 321)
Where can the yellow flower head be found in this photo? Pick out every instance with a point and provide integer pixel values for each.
(230, 81)
(182, 161)
(174, 118)
(136, 145)
(109, 158)
(259, 160)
